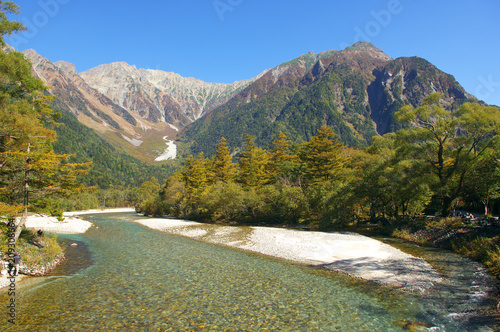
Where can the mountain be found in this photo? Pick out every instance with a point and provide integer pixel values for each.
(110, 167)
(356, 91)
(157, 95)
(133, 109)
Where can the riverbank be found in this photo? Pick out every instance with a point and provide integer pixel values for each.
(72, 224)
(349, 253)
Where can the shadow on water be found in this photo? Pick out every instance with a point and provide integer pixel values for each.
(77, 257)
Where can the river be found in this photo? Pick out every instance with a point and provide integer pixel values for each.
(124, 276)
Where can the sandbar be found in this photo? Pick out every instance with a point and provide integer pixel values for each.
(351, 253)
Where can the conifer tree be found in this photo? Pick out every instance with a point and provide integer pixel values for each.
(30, 171)
(223, 167)
(195, 175)
(323, 156)
(253, 170)
(284, 165)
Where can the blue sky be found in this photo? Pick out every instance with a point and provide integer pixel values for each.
(228, 40)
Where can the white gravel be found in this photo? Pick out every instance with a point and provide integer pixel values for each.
(350, 253)
(72, 223)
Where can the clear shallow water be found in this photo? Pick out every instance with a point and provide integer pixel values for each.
(147, 280)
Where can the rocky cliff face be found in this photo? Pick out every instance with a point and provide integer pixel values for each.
(74, 95)
(128, 106)
(157, 95)
(408, 81)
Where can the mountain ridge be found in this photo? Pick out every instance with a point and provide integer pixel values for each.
(350, 90)
(355, 90)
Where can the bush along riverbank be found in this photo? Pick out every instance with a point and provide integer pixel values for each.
(39, 253)
(477, 239)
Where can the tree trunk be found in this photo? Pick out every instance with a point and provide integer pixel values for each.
(20, 226)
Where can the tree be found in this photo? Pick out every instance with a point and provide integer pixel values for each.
(195, 175)
(7, 27)
(253, 170)
(223, 167)
(446, 143)
(483, 184)
(284, 164)
(30, 171)
(322, 156)
(148, 197)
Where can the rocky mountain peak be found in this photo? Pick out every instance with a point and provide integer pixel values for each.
(159, 92)
(66, 67)
(365, 47)
(33, 56)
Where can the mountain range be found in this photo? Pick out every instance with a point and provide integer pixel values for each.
(355, 91)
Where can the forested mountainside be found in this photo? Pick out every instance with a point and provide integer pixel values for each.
(110, 168)
(355, 91)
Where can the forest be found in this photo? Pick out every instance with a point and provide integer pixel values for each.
(416, 183)
(439, 162)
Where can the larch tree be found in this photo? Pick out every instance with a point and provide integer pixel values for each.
(253, 170)
(284, 164)
(30, 171)
(323, 156)
(223, 167)
(195, 175)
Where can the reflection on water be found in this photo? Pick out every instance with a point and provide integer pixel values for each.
(147, 280)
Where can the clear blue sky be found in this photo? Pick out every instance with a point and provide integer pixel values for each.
(229, 40)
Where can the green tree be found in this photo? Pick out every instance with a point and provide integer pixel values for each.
(483, 185)
(253, 166)
(284, 163)
(30, 171)
(323, 157)
(148, 201)
(195, 175)
(446, 143)
(223, 167)
(172, 196)
(395, 186)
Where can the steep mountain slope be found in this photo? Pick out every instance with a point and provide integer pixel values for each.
(409, 81)
(74, 95)
(355, 91)
(157, 95)
(125, 130)
(144, 107)
(110, 168)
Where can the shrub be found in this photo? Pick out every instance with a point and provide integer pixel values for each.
(446, 223)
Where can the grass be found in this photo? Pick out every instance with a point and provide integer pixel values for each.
(37, 251)
(480, 243)
(482, 249)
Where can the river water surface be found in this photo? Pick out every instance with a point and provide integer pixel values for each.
(135, 278)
